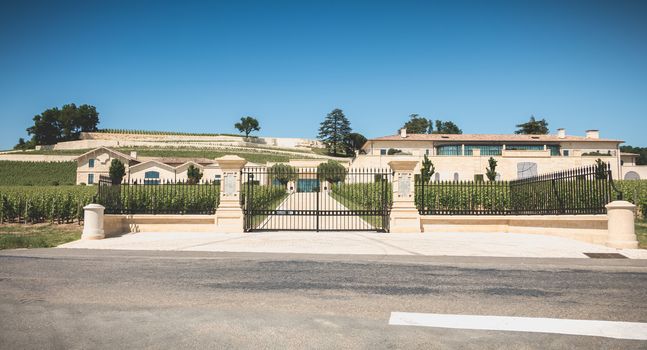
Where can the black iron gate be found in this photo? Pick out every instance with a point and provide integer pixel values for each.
(327, 199)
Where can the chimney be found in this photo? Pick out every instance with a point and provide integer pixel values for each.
(133, 154)
(561, 133)
(403, 133)
(592, 134)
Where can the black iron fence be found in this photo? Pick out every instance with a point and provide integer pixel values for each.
(287, 198)
(577, 191)
(168, 197)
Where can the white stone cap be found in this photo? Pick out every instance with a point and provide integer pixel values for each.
(231, 162)
(620, 205)
(94, 206)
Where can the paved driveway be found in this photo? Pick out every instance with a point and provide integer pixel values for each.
(426, 244)
(312, 201)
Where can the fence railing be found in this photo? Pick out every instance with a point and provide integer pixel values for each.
(168, 197)
(577, 191)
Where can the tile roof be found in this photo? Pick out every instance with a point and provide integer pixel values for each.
(488, 137)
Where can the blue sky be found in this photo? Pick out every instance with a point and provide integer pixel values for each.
(200, 66)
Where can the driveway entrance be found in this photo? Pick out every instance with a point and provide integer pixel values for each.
(306, 200)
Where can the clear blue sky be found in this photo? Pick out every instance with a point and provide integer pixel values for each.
(199, 67)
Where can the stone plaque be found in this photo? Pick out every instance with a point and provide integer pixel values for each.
(404, 186)
(230, 184)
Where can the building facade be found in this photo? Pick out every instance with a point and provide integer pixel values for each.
(461, 157)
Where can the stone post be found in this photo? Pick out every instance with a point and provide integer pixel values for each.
(93, 222)
(404, 214)
(229, 215)
(621, 225)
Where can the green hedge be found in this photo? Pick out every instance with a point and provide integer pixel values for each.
(468, 197)
(264, 197)
(32, 204)
(13, 173)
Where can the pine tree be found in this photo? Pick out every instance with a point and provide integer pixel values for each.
(334, 131)
(490, 171)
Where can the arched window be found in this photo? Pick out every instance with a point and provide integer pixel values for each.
(455, 176)
(632, 175)
(151, 178)
(437, 177)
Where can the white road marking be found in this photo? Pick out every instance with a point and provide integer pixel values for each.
(608, 329)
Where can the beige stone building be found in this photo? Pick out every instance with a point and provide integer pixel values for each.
(462, 157)
(147, 170)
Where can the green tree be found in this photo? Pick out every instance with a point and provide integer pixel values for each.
(247, 125)
(427, 170)
(447, 127)
(393, 151)
(193, 174)
(331, 171)
(117, 171)
(533, 127)
(601, 169)
(22, 145)
(354, 142)
(417, 124)
(334, 131)
(490, 171)
(284, 173)
(65, 124)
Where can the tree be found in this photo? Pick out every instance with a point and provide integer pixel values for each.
(193, 174)
(600, 169)
(247, 125)
(427, 170)
(354, 142)
(490, 171)
(417, 124)
(117, 171)
(22, 145)
(331, 171)
(393, 151)
(334, 131)
(284, 173)
(447, 127)
(65, 124)
(533, 127)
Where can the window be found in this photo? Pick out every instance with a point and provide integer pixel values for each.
(449, 150)
(91, 163)
(632, 175)
(566, 153)
(437, 177)
(455, 176)
(554, 150)
(427, 152)
(151, 178)
(524, 147)
(383, 152)
(90, 179)
(217, 179)
(486, 150)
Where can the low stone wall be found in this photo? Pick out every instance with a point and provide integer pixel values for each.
(115, 225)
(586, 228)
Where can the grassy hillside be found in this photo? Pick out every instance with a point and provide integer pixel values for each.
(14, 173)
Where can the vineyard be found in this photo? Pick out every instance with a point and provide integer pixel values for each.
(176, 198)
(14, 173)
(635, 191)
(34, 204)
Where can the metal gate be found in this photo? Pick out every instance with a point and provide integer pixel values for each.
(285, 198)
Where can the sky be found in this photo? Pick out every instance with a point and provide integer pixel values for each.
(200, 66)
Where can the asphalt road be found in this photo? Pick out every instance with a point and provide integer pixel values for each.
(78, 299)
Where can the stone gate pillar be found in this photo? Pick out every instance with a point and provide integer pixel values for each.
(229, 215)
(621, 225)
(404, 214)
